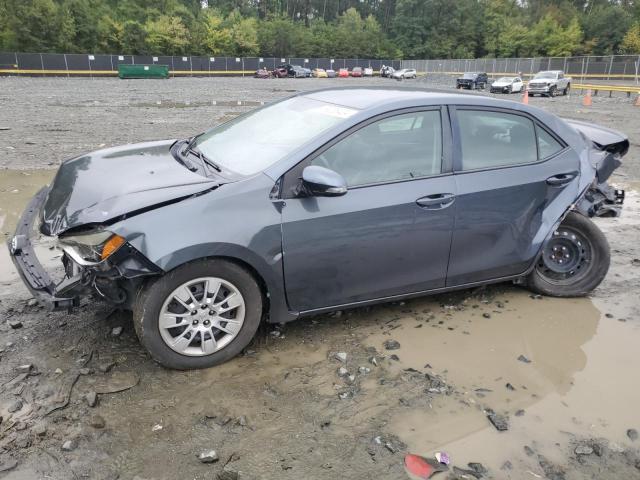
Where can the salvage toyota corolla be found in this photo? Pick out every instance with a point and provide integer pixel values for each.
(323, 201)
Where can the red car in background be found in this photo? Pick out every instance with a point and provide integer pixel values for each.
(343, 73)
(356, 72)
(281, 71)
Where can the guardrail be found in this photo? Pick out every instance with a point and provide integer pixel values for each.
(607, 88)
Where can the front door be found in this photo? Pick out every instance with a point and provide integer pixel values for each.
(514, 179)
(390, 233)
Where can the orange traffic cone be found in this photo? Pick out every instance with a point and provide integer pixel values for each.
(525, 96)
(586, 100)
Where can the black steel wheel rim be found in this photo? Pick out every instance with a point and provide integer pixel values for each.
(566, 257)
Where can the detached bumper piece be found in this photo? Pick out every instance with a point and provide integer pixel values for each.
(601, 201)
(23, 256)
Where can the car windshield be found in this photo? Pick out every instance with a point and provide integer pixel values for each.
(470, 75)
(545, 75)
(505, 80)
(254, 141)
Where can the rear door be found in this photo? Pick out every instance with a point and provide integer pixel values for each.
(512, 177)
(390, 234)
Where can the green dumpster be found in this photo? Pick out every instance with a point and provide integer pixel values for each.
(143, 71)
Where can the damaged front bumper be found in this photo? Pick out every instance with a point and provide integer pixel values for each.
(113, 280)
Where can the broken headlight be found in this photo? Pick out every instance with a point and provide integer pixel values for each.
(91, 248)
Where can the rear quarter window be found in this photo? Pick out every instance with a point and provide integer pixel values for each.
(547, 145)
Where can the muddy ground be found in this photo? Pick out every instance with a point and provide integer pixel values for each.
(283, 410)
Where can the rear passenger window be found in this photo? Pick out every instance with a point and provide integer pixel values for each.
(547, 145)
(395, 148)
(493, 139)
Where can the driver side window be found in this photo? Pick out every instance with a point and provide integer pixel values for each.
(395, 148)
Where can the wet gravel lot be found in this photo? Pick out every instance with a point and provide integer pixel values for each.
(285, 410)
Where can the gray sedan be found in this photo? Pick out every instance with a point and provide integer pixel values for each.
(323, 201)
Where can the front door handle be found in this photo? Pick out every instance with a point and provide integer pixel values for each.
(561, 179)
(436, 201)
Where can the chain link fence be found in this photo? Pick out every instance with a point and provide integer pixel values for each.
(617, 68)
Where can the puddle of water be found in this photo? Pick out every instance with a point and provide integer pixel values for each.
(16, 189)
(579, 378)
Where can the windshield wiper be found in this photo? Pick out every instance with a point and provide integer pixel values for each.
(203, 158)
(187, 163)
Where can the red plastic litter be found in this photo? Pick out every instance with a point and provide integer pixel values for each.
(418, 466)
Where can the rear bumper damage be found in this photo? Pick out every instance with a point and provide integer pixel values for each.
(113, 280)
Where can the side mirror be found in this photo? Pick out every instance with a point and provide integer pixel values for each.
(322, 182)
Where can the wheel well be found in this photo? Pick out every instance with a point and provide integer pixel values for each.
(256, 276)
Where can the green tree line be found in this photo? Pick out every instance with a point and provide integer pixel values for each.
(323, 28)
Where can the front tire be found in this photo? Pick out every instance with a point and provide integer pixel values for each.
(574, 260)
(198, 315)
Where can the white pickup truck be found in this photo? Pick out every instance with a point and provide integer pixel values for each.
(550, 83)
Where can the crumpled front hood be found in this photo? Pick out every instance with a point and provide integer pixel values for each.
(500, 84)
(100, 186)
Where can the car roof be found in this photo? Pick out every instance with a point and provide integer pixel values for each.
(363, 98)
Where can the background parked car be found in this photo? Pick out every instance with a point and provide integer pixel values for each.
(284, 70)
(343, 73)
(507, 85)
(262, 73)
(300, 72)
(319, 73)
(404, 73)
(307, 71)
(386, 71)
(331, 73)
(280, 72)
(472, 80)
(368, 72)
(551, 83)
(356, 72)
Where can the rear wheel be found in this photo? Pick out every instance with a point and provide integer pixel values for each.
(574, 260)
(198, 315)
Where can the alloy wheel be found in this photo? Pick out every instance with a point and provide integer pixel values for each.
(201, 316)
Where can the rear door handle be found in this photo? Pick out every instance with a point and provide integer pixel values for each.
(436, 201)
(561, 179)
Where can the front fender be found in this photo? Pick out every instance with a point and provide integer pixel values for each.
(236, 221)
